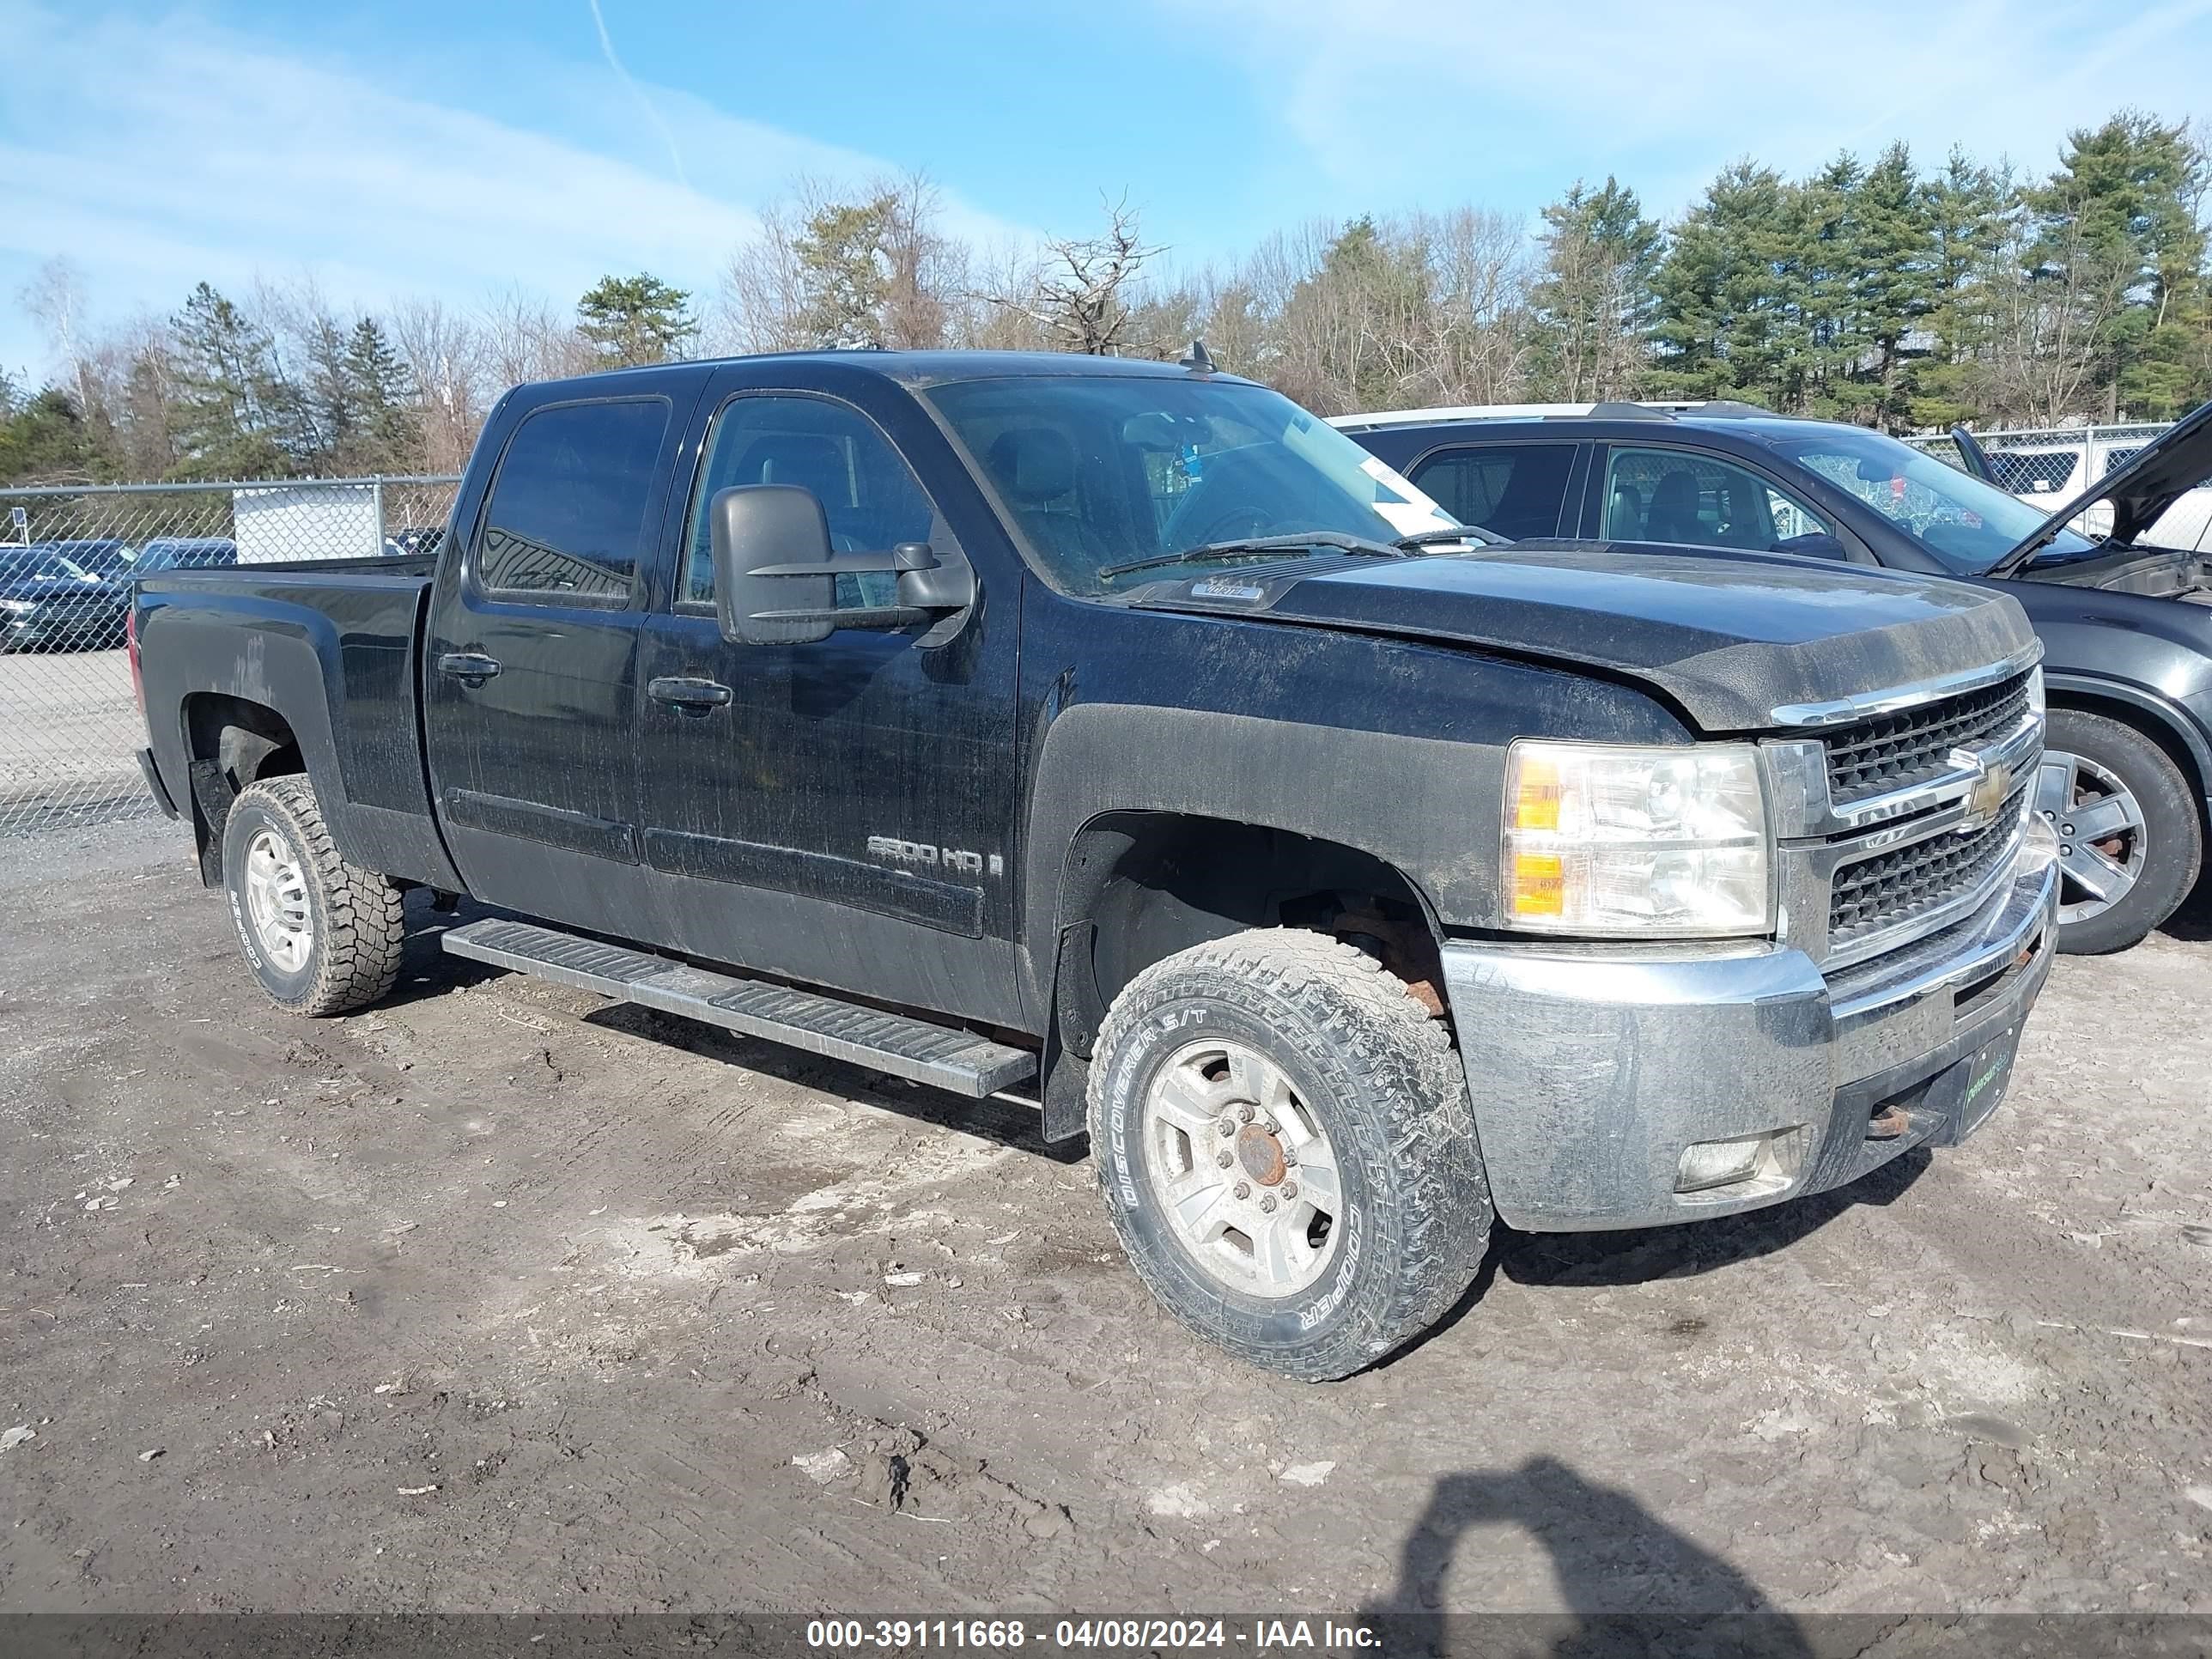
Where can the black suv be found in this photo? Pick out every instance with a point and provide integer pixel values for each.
(2127, 627)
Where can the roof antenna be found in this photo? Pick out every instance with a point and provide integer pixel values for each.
(1196, 359)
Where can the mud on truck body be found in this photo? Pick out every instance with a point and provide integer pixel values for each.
(1122, 735)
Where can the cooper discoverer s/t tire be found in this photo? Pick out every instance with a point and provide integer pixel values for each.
(1287, 1150)
(322, 936)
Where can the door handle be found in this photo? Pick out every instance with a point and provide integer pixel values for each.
(689, 697)
(470, 668)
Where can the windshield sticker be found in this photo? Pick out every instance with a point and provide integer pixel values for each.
(1402, 505)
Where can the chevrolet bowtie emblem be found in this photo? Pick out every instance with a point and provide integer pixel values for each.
(1992, 787)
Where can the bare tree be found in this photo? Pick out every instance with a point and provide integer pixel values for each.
(980, 322)
(1081, 297)
(1478, 347)
(445, 355)
(762, 300)
(55, 296)
(925, 269)
(526, 339)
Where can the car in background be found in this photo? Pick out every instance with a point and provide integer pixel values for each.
(47, 602)
(109, 557)
(417, 541)
(2126, 627)
(184, 553)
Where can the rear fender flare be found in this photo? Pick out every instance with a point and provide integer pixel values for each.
(287, 662)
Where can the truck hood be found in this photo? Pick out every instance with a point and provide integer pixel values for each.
(2156, 573)
(2153, 479)
(1727, 637)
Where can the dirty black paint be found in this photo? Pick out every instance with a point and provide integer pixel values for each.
(890, 813)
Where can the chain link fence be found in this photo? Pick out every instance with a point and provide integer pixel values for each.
(2048, 466)
(2057, 461)
(69, 724)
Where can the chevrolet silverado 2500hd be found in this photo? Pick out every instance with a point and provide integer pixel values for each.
(1120, 732)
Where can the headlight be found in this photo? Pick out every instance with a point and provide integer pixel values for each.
(2035, 689)
(1604, 839)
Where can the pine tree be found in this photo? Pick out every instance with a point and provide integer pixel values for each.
(631, 320)
(1968, 210)
(235, 415)
(844, 275)
(1726, 298)
(388, 435)
(1895, 260)
(43, 438)
(1593, 301)
(332, 413)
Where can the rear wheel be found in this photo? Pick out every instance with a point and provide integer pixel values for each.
(2130, 840)
(1287, 1150)
(322, 936)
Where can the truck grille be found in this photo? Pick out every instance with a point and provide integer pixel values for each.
(1894, 752)
(1914, 880)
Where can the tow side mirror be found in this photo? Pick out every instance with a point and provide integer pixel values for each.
(766, 539)
(775, 573)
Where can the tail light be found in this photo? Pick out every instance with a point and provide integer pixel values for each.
(131, 648)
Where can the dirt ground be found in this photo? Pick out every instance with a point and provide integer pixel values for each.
(68, 728)
(499, 1297)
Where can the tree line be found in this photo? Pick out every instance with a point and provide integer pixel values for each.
(1875, 290)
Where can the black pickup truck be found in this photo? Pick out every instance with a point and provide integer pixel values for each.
(1121, 736)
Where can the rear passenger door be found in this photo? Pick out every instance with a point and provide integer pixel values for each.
(1517, 490)
(530, 681)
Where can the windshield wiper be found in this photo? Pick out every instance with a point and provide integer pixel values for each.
(1460, 532)
(1260, 547)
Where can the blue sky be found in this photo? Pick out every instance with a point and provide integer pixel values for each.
(461, 147)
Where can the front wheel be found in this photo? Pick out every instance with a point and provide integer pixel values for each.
(322, 936)
(1287, 1150)
(2129, 834)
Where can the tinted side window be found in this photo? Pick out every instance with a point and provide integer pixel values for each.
(867, 492)
(567, 515)
(1514, 489)
(1674, 495)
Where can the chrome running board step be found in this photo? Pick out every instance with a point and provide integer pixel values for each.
(897, 1043)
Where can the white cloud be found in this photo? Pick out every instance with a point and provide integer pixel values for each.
(156, 153)
(1440, 100)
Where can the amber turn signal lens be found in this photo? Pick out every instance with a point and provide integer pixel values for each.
(1536, 795)
(1540, 884)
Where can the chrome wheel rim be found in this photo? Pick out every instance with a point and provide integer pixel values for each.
(277, 902)
(1241, 1168)
(2102, 843)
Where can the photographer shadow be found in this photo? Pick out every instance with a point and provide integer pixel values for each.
(1632, 1584)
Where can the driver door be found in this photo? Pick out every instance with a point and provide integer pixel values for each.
(840, 811)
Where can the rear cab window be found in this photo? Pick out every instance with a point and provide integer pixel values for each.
(572, 504)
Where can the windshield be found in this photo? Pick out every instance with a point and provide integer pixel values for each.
(102, 558)
(1967, 525)
(1101, 472)
(42, 568)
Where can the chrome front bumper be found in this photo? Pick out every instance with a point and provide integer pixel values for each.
(1592, 1070)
